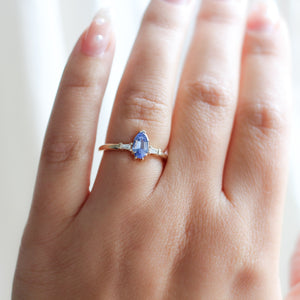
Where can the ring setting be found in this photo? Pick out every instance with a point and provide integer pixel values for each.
(140, 147)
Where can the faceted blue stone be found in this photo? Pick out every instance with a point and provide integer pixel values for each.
(140, 146)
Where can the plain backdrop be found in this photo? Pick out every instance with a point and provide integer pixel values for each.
(36, 38)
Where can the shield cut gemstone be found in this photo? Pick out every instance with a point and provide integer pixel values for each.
(140, 146)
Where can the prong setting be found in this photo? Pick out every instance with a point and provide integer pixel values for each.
(140, 147)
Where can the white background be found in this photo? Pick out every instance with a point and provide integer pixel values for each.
(36, 38)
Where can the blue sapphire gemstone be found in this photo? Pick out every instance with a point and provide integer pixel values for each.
(140, 146)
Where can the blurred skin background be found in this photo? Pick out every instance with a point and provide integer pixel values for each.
(36, 39)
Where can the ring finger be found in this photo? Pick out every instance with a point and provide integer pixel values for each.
(145, 97)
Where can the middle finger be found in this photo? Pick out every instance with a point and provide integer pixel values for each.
(208, 90)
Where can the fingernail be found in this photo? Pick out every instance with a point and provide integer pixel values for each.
(264, 15)
(178, 1)
(97, 36)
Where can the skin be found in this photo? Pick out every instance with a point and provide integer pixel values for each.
(206, 223)
(295, 275)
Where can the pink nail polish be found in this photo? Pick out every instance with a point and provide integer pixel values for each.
(263, 16)
(97, 37)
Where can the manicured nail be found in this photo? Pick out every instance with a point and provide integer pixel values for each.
(97, 36)
(178, 1)
(264, 15)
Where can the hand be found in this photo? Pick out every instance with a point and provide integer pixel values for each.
(295, 275)
(206, 223)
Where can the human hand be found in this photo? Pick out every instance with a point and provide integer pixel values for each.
(206, 223)
(295, 275)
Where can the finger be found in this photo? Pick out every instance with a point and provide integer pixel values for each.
(295, 275)
(208, 90)
(294, 293)
(295, 266)
(64, 171)
(145, 96)
(257, 159)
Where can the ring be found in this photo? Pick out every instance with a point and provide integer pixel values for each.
(140, 147)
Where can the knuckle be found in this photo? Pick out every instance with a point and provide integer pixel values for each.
(224, 13)
(250, 274)
(266, 117)
(60, 150)
(262, 44)
(82, 83)
(84, 92)
(145, 108)
(210, 92)
(161, 21)
(85, 73)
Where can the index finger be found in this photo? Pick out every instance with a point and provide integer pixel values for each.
(64, 171)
